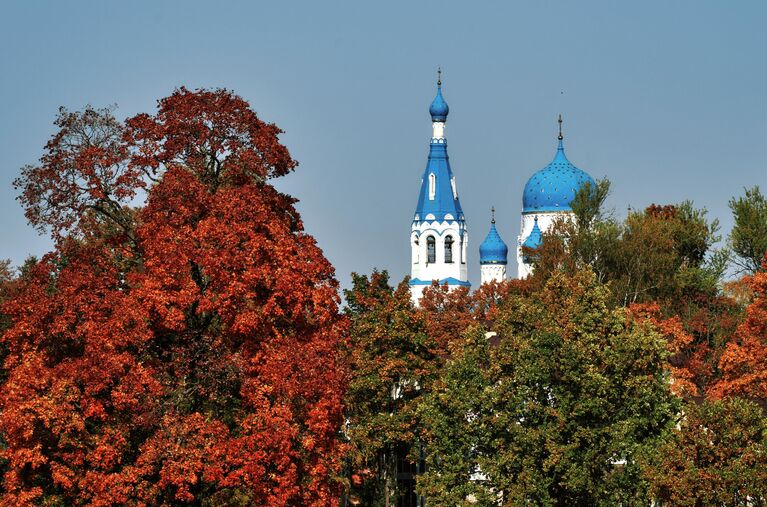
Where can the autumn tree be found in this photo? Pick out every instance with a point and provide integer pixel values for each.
(661, 254)
(448, 312)
(748, 238)
(84, 175)
(661, 258)
(557, 411)
(180, 351)
(743, 362)
(393, 360)
(716, 456)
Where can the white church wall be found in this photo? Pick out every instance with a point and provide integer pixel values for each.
(492, 273)
(439, 269)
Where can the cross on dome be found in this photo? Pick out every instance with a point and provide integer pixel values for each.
(438, 108)
(552, 188)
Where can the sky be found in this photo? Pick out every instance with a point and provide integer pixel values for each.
(664, 98)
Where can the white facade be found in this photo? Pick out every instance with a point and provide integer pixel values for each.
(447, 257)
(438, 130)
(545, 222)
(492, 273)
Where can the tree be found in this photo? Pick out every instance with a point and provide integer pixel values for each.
(748, 238)
(743, 362)
(660, 259)
(559, 411)
(396, 353)
(662, 254)
(186, 350)
(716, 456)
(459, 442)
(393, 361)
(84, 174)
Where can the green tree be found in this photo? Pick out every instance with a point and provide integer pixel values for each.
(556, 410)
(458, 438)
(663, 253)
(748, 238)
(662, 256)
(393, 361)
(716, 456)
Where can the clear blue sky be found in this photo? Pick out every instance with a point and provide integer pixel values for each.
(667, 99)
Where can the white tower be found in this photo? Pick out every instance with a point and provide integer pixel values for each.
(493, 253)
(438, 237)
(546, 199)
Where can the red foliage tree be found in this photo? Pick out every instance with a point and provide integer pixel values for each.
(448, 313)
(743, 363)
(184, 351)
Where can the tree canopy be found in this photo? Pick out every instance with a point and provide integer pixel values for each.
(748, 238)
(182, 350)
(556, 411)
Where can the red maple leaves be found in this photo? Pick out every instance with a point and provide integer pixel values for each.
(743, 364)
(183, 350)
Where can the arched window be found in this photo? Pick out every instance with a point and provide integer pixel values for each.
(432, 186)
(449, 249)
(431, 250)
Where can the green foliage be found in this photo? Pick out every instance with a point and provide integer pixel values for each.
(716, 456)
(558, 412)
(458, 438)
(748, 238)
(588, 203)
(393, 362)
(663, 253)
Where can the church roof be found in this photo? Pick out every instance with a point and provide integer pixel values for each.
(438, 197)
(493, 250)
(554, 187)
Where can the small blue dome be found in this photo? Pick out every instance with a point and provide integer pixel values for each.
(438, 108)
(554, 187)
(533, 241)
(535, 238)
(493, 250)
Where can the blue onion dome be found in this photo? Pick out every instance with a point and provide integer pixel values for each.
(535, 238)
(438, 108)
(493, 250)
(554, 187)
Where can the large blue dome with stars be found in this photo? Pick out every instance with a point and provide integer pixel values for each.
(552, 188)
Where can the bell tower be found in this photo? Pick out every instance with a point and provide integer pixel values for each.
(438, 236)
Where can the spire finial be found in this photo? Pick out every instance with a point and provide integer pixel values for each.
(439, 76)
(560, 128)
(492, 214)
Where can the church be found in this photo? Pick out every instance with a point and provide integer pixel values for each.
(439, 235)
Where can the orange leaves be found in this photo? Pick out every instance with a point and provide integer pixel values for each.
(672, 328)
(679, 342)
(214, 134)
(84, 169)
(178, 452)
(181, 351)
(743, 363)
